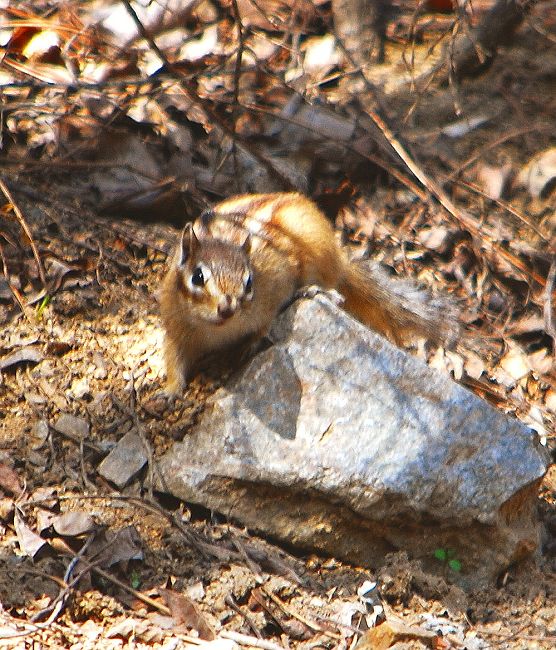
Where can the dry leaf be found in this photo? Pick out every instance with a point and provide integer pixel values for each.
(9, 480)
(390, 632)
(71, 524)
(185, 612)
(473, 365)
(515, 363)
(29, 542)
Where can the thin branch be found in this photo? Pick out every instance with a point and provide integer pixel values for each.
(240, 50)
(237, 79)
(395, 173)
(196, 100)
(14, 291)
(137, 594)
(506, 206)
(25, 227)
(466, 220)
(229, 600)
(250, 641)
(432, 186)
(496, 143)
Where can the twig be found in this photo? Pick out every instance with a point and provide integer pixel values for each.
(250, 641)
(471, 49)
(58, 604)
(205, 549)
(197, 101)
(229, 600)
(496, 143)
(152, 465)
(41, 574)
(79, 164)
(15, 293)
(550, 638)
(26, 230)
(6, 635)
(395, 173)
(506, 206)
(432, 186)
(140, 596)
(251, 564)
(466, 220)
(237, 78)
(315, 627)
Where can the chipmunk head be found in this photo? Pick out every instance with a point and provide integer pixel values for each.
(215, 276)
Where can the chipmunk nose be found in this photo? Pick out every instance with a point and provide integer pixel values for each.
(227, 307)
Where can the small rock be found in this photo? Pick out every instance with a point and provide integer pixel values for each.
(100, 371)
(80, 388)
(29, 354)
(39, 434)
(35, 399)
(72, 426)
(124, 461)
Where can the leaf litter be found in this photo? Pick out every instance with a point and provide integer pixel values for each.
(80, 362)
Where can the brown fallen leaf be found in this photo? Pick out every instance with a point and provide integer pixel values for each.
(6, 508)
(9, 480)
(185, 612)
(390, 632)
(110, 547)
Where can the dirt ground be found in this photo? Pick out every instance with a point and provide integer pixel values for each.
(93, 350)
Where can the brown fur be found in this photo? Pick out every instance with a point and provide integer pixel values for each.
(286, 243)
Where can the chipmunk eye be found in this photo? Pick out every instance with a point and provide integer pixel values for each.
(248, 284)
(197, 277)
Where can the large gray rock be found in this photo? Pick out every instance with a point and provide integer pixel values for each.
(333, 439)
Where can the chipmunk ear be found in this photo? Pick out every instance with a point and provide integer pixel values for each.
(187, 246)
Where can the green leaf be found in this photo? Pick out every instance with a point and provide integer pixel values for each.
(42, 306)
(455, 565)
(440, 554)
(135, 579)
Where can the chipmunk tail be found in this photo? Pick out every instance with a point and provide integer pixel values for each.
(396, 308)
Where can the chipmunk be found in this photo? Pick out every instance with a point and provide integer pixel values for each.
(242, 261)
